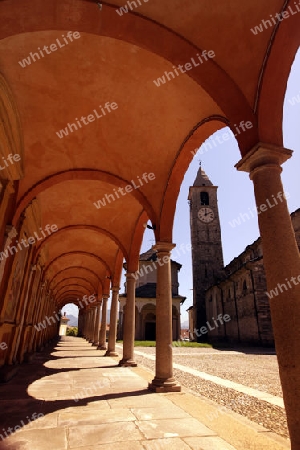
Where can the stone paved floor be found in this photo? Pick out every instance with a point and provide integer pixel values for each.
(73, 398)
(245, 381)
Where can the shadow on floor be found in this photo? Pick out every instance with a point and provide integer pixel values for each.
(18, 408)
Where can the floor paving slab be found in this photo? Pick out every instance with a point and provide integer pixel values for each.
(166, 444)
(140, 401)
(94, 405)
(134, 445)
(90, 403)
(44, 439)
(165, 428)
(170, 411)
(93, 418)
(106, 434)
(208, 443)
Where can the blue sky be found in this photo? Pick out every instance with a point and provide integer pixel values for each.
(235, 193)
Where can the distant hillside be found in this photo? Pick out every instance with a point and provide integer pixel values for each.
(185, 325)
(73, 321)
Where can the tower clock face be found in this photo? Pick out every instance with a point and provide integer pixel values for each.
(206, 215)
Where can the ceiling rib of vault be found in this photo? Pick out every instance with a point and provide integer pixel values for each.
(145, 141)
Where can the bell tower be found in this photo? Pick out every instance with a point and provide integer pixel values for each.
(207, 254)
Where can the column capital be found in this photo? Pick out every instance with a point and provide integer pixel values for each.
(165, 247)
(115, 288)
(263, 155)
(130, 276)
(105, 296)
(10, 231)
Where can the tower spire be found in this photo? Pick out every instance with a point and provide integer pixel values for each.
(201, 178)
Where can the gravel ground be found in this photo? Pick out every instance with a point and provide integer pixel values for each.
(256, 371)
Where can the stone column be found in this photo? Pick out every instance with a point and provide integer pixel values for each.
(120, 326)
(37, 313)
(97, 325)
(93, 325)
(10, 234)
(89, 325)
(85, 320)
(282, 267)
(80, 323)
(129, 323)
(88, 322)
(102, 334)
(111, 350)
(163, 380)
(23, 335)
(83, 312)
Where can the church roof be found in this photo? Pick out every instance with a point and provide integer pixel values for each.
(202, 179)
(151, 255)
(148, 290)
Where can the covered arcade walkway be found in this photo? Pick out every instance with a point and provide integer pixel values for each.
(94, 146)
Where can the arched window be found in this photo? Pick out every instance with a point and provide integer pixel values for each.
(244, 286)
(204, 198)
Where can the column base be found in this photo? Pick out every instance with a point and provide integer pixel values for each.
(127, 363)
(164, 385)
(8, 372)
(101, 347)
(95, 344)
(111, 353)
(28, 357)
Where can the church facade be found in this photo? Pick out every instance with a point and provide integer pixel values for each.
(238, 290)
(145, 299)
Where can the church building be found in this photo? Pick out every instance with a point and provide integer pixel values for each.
(239, 289)
(145, 299)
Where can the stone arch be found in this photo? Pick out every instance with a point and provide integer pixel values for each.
(68, 286)
(181, 163)
(274, 76)
(75, 268)
(40, 245)
(79, 174)
(144, 33)
(11, 136)
(76, 278)
(91, 255)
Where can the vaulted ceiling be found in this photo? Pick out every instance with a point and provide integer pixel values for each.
(153, 130)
